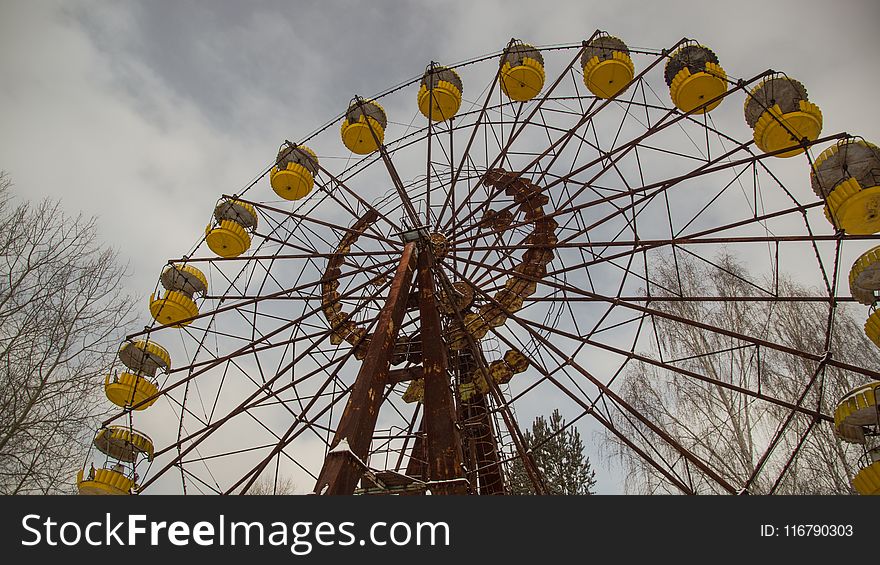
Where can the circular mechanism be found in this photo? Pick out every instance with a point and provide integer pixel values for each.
(442, 86)
(695, 79)
(522, 71)
(363, 127)
(439, 245)
(293, 175)
(607, 66)
(399, 322)
(781, 116)
(458, 299)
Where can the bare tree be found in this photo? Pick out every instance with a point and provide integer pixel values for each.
(729, 430)
(271, 484)
(62, 315)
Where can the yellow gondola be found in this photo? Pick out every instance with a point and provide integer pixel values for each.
(122, 445)
(872, 327)
(847, 176)
(363, 128)
(441, 85)
(130, 388)
(695, 77)
(857, 420)
(229, 235)
(864, 277)
(780, 114)
(867, 480)
(608, 68)
(293, 175)
(104, 481)
(522, 72)
(857, 411)
(176, 305)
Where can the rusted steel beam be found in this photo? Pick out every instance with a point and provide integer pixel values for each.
(684, 240)
(613, 300)
(479, 440)
(605, 389)
(819, 373)
(343, 467)
(710, 380)
(481, 434)
(417, 467)
(450, 194)
(405, 200)
(780, 432)
(200, 435)
(443, 440)
(535, 475)
(205, 366)
(768, 298)
(356, 196)
(430, 138)
(410, 434)
(248, 302)
(459, 218)
(502, 154)
(396, 376)
(372, 212)
(719, 163)
(312, 255)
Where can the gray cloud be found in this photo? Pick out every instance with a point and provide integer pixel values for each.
(151, 110)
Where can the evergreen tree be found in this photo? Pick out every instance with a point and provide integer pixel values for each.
(559, 455)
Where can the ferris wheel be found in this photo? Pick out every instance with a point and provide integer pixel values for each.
(384, 307)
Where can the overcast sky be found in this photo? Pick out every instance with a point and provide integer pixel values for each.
(143, 113)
